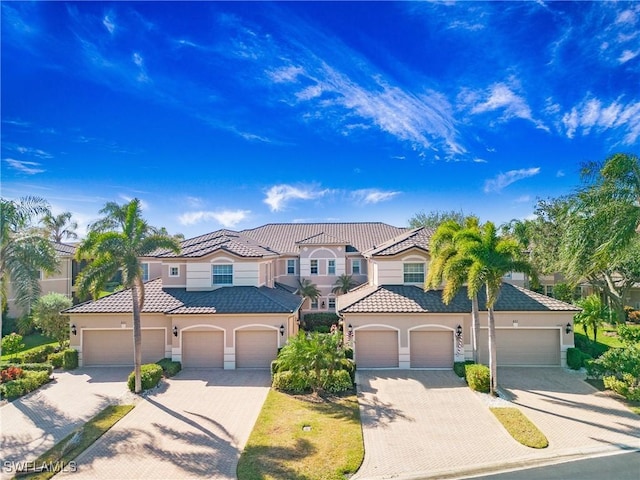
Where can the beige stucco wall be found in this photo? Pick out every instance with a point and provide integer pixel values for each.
(181, 280)
(390, 270)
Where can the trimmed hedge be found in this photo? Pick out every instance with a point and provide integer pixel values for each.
(28, 383)
(338, 381)
(478, 377)
(37, 367)
(576, 358)
(37, 355)
(311, 321)
(169, 367)
(56, 359)
(70, 359)
(150, 374)
(297, 382)
(460, 367)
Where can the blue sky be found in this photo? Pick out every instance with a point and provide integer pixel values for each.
(237, 114)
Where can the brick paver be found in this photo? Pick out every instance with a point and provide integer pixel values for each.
(429, 424)
(31, 425)
(194, 426)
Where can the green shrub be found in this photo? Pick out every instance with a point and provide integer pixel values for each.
(150, 375)
(169, 367)
(348, 353)
(628, 386)
(478, 377)
(25, 325)
(10, 373)
(311, 321)
(37, 367)
(9, 325)
(28, 383)
(56, 359)
(291, 382)
(338, 381)
(275, 366)
(70, 359)
(350, 367)
(574, 358)
(588, 347)
(459, 367)
(38, 354)
(11, 344)
(320, 329)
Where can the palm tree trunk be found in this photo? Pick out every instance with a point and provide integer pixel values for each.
(137, 339)
(475, 317)
(493, 366)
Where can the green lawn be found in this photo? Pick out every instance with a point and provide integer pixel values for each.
(520, 427)
(32, 341)
(298, 438)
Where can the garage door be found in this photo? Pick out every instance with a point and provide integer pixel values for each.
(115, 347)
(523, 347)
(433, 349)
(376, 348)
(256, 348)
(203, 349)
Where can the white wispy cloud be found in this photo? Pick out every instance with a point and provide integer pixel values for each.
(29, 168)
(108, 23)
(560, 173)
(278, 196)
(505, 179)
(523, 199)
(628, 55)
(592, 114)
(372, 195)
(195, 202)
(286, 74)
(226, 218)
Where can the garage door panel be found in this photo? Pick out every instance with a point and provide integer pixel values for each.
(203, 349)
(376, 348)
(523, 347)
(431, 349)
(115, 347)
(256, 348)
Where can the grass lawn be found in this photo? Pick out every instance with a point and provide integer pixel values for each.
(520, 427)
(32, 341)
(58, 457)
(298, 438)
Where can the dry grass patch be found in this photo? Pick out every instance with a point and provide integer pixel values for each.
(520, 427)
(297, 437)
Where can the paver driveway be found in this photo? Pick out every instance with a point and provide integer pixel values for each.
(194, 426)
(31, 425)
(429, 424)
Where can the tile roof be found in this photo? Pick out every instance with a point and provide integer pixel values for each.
(418, 237)
(413, 299)
(180, 301)
(64, 249)
(220, 240)
(322, 239)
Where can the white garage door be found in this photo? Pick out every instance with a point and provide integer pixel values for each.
(431, 349)
(115, 347)
(203, 348)
(523, 347)
(256, 348)
(376, 348)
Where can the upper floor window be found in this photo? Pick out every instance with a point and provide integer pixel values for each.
(174, 271)
(145, 272)
(222, 274)
(291, 266)
(314, 267)
(331, 267)
(355, 267)
(414, 273)
(314, 303)
(332, 303)
(548, 290)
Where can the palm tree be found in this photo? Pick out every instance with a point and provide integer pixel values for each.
(60, 227)
(448, 265)
(343, 284)
(308, 289)
(24, 251)
(110, 251)
(594, 313)
(491, 258)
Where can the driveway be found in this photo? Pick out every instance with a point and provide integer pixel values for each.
(429, 424)
(195, 425)
(34, 423)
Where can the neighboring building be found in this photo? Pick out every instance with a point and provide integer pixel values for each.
(227, 300)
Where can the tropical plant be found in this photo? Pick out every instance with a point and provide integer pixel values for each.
(47, 316)
(594, 313)
(308, 289)
(491, 257)
(448, 265)
(435, 218)
(109, 251)
(59, 227)
(343, 284)
(12, 344)
(24, 251)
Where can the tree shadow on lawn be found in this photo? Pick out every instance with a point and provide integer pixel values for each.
(340, 407)
(258, 461)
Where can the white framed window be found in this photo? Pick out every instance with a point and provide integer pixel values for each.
(174, 271)
(332, 303)
(355, 267)
(414, 273)
(145, 272)
(222, 274)
(314, 303)
(314, 267)
(331, 267)
(548, 290)
(291, 266)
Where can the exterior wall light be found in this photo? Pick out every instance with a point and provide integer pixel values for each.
(568, 328)
(282, 330)
(74, 330)
(459, 331)
(350, 329)
(175, 331)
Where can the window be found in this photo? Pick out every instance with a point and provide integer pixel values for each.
(314, 267)
(548, 290)
(332, 303)
(331, 267)
(291, 267)
(414, 273)
(222, 274)
(314, 303)
(145, 272)
(355, 267)
(174, 271)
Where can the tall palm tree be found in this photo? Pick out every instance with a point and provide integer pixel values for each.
(448, 265)
(491, 258)
(308, 289)
(24, 251)
(110, 251)
(343, 284)
(60, 227)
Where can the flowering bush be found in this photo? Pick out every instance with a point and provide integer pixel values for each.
(10, 373)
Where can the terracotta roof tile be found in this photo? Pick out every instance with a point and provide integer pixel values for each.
(419, 237)
(226, 240)
(322, 239)
(64, 249)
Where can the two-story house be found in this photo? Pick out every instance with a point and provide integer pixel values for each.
(227, 300)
